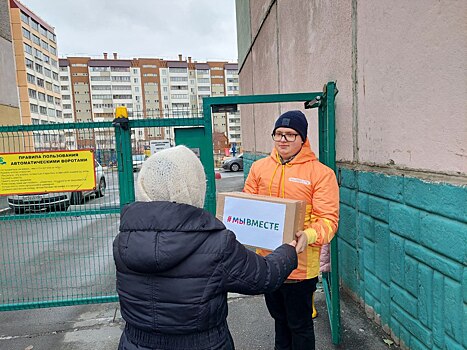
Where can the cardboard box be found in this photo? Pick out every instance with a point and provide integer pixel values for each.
(260, 221)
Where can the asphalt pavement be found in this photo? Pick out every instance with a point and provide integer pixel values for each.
(98, 327)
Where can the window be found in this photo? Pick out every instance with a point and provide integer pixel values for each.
(41, 96)
(232, 71)
(79, 65)
(119, 78)
(122, 97)
(26, 33)
(40, 82)
(48, 85)
(43, 110)
(56, 88)
(44, 45)
(28, 48)
(203, 71)
(36, 40)
(63, 78)
(31, 78)
(101, 87)
(55, 75)
(38, 68)
(51, 36)
(99, 78)
(204, 88)
(34, 108)
(135, 80)
(58, 101)
(64, 88)
(46, 58)
(50, 99)
(53, 62)
(58, 113)
(203, 80)
(177, 70)
(43, 30)
(179, 96)
(178, 79)
(66, 97)
(99, 69)
(120, 69)
(24, 18)
(178, 87)
(37, 53)
(29, 63)
(66, 106)
(100, 97)
(53, 50)
(34, 24)
(32, 93)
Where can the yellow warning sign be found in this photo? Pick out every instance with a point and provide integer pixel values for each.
(39, 172)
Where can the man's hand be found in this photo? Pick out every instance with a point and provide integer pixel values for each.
(301, 242)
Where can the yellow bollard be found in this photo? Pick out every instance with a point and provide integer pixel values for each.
(315, 313)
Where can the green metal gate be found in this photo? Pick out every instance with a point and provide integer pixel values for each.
(324, 101)
(63, 255)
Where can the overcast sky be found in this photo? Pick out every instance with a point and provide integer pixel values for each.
(202, 29)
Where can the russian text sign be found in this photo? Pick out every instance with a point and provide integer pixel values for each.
(39, 172)
(255, 223)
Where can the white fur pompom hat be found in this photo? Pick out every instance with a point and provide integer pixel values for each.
(175, 175)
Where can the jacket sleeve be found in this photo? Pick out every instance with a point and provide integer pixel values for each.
(325, 210)
(246, 272)
(251, 184)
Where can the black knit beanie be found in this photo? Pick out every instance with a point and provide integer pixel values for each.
(294, 120)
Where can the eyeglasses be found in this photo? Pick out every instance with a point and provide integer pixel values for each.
(288, 137)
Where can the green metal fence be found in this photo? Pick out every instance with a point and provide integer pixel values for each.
(56, 249)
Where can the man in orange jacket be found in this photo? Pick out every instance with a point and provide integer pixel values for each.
(293, 171)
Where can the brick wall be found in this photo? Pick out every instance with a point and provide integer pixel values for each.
(403, 252)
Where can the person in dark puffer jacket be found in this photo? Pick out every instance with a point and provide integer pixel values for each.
(176, 262)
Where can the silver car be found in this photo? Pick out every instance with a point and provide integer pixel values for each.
(56, 201)
(233, 163)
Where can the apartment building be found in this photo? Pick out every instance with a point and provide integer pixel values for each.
(149, 88)
(36, 61)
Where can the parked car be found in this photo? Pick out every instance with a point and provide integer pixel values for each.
(138, 160)
(233, 163)
(58, 200)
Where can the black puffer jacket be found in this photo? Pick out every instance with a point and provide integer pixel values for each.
(175, 265)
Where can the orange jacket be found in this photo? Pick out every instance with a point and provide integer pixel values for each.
(303, 178)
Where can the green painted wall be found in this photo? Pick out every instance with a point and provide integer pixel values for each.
(403, 251)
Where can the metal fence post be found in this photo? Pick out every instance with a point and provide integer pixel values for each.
(124, 157)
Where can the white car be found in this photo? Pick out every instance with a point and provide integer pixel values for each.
(138, 160)
(56, 201)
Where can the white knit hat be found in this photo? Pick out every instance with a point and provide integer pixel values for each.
(174, 174)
